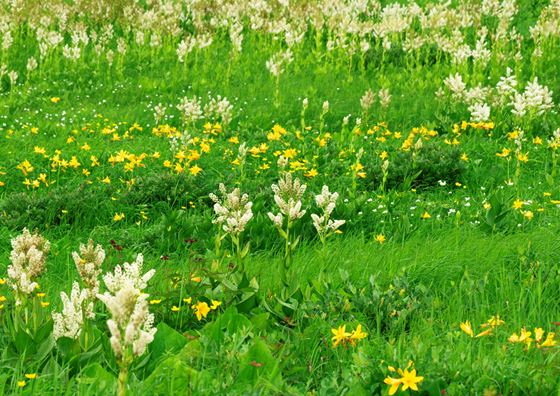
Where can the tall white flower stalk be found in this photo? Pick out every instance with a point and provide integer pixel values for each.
(88, 263)
(131, 323)
(325, 226)
(76, 307)
(28, 256)
(287, 196)
(233, 211)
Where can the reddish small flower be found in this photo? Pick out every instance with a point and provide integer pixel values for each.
(254, 363)
(116, 246)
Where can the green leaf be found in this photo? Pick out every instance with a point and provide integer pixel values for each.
(45, 348)
(258, 362)
(166, 341)
(95, 379)
(24, 343)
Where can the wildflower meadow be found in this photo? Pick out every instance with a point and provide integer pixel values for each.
(279, 197)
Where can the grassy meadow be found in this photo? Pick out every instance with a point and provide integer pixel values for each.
(286, 197)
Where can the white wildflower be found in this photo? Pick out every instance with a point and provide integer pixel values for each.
(69, 322)
(131, 323)
(28, 256)
(233, 210)
(88, 263)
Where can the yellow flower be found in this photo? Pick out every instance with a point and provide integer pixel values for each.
(517, 204)
(549, 342)
(118, 217)
(215, 304)
(2, 298)
(493, 322)
(528, 214)
(54, 99)
(21, 384)
(311, 173)
(408, 379)
(195, 170)
(394, 384)
(201, 310)
(384, 155)
(290, 153)
(187, 300)
(175, 309)
(197, 279)
(107, 180)
(2, 281)
(523, 157)
(358, 334)
(504, 153)
(464, 157)
(523, 337)
(340, 335)
(380, 238)
(39, 150)
(484, 333)
(153, 302)
(466, 327)
(31, 376)
(44, 304)
(539, 332)
(425, 216)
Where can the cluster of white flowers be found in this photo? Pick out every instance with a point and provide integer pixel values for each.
(233, 210)
(69, 322)
(384, 97)
(219, 109)
(28, 256)
(131, 323)
(88, 263)
(159, 113)
(287, 195)
(185, 47)
(456, 85)
(479, 112)
(367, 100)
(326, 201)
(277, 64)
(536, 99)
(190, 109)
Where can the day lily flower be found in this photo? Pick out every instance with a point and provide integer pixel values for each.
(340, 335)
(408, 379)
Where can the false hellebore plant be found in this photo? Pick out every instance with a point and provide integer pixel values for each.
(287, 195)
(233, 212)
(325, 226)
(131, 324)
